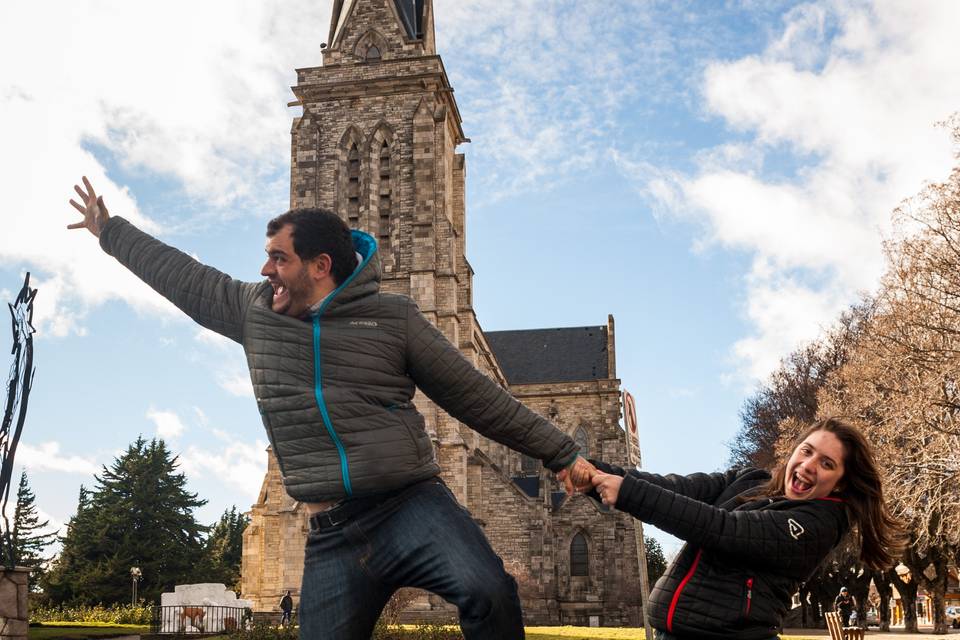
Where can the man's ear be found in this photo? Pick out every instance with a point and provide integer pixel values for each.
(321, 266)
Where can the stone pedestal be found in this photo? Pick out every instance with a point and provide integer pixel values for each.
(14, 615)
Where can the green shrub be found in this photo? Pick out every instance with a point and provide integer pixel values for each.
(115, 614)
(430, 631)
(264, 631)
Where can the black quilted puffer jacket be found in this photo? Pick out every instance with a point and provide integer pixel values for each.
(744, 556)
(335, 391)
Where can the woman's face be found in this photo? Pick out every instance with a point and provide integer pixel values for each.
(815, 467)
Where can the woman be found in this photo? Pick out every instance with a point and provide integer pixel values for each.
(752, 536)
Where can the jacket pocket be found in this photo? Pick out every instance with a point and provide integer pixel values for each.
(416, 429)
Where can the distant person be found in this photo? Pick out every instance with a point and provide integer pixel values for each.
(845, 604)
(335, 364)
(753, 536)
(286, 605)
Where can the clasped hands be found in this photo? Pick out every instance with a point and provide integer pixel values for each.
(582, 476)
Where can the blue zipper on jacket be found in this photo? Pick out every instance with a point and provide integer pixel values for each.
(318, 392)
(368, 247)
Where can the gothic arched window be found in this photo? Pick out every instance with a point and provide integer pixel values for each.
(385, 204)
(579, 558)
(580, 437)
(373, 53)
(353, 187)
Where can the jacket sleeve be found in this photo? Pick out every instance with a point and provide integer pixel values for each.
(705, 487)
(213, 299)
(793, 540)
(450, 380)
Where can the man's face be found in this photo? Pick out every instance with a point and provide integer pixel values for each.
(815, 468)
(293, 289)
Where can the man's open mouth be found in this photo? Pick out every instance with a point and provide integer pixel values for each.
(279, 292)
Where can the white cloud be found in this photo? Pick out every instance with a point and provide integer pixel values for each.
(212, 338)
(237, 464)
(168, 424)
(201, 102)
(53, 524)
(236, 383)
(839, 130)
(541, 85)
(47, 457)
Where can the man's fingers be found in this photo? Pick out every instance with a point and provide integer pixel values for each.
(80, 192)
(77, 225)
(86, 183)
(103, 207)
(79, 207)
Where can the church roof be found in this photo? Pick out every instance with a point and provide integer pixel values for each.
(569, 354)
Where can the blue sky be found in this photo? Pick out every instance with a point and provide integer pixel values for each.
(718, 176)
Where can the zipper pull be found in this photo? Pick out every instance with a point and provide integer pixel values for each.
(749, 595)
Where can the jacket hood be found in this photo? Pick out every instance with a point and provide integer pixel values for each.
(364, 280)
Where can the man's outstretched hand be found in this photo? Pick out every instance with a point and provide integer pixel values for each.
(94, 212)
(608, 487)
(578, 477)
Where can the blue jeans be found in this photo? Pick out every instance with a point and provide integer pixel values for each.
(420, 538)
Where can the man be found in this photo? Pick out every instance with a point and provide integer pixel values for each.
(286, 606)
(334, 365)
(844, 604)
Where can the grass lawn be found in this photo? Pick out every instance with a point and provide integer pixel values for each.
(601, 633)
(84, 630)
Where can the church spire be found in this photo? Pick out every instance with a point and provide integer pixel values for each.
(366, 30)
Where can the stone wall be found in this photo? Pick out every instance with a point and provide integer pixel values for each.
(14, 612)
(404, 99)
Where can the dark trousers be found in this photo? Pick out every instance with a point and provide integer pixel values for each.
(419, 538)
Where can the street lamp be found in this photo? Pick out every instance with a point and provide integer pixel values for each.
(135, 576)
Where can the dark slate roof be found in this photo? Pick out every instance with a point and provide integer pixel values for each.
(411, 15)
(530, 485)
(569, 354)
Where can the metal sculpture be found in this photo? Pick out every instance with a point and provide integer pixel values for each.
(18, 392)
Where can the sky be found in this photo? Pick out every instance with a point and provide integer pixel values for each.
(718, 176)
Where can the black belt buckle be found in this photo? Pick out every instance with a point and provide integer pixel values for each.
(328, 519)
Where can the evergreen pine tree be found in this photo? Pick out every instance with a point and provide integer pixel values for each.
(139, 515)
(29, 543)
(224, 548)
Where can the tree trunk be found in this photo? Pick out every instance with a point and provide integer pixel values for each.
(804, 592)
(937, 586)
(882, 582)
(908, 600)
(859, 588)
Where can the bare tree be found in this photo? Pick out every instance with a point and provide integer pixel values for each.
(901, 381)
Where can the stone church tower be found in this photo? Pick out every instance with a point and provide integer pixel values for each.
(377, 142)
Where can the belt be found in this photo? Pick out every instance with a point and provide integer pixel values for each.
(353, 507)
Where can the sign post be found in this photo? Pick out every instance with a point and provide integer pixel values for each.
(633, 455)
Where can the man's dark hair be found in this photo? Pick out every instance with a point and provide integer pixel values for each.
(315, 231)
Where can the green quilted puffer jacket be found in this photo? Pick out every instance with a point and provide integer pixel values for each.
(335, 391)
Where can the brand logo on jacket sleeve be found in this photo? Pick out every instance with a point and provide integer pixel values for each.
(795, 529)
(363, 323)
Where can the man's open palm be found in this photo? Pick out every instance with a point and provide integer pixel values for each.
(94, 212)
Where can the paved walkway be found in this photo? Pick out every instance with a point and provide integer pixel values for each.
(873, 634)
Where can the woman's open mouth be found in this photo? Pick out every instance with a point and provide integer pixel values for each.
(799, 485)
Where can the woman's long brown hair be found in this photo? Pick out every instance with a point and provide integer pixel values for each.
(881, 535)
